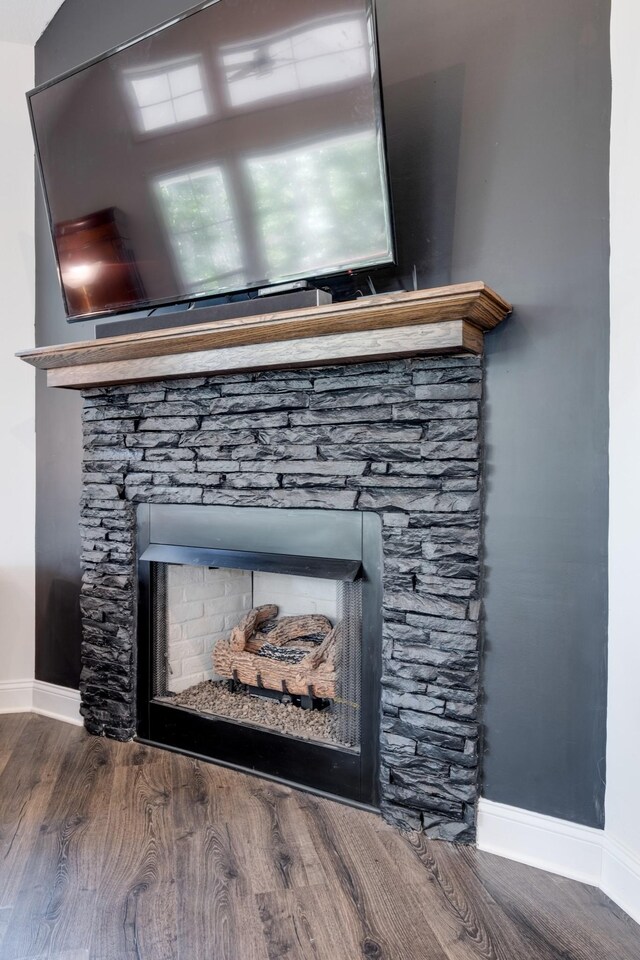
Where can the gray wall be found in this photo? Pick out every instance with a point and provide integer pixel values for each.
(498, 123)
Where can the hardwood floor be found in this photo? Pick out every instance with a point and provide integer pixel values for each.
(113, 851)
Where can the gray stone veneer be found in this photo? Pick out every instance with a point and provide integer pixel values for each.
(401, 438)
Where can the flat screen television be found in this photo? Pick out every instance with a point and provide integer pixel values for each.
(238, 146)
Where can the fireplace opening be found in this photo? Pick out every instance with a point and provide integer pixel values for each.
(260, 641)
(274, 650)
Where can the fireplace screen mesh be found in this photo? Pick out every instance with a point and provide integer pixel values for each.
(277, 651)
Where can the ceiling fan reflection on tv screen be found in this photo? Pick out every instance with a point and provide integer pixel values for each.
(238, 147)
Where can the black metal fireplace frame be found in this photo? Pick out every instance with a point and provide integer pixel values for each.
(342, 773)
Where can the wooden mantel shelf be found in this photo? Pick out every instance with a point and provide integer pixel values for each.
(442, 320)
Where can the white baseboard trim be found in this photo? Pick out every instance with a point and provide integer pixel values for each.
(558, 846)
(16, 696)
(48, 699)
(621, 876)
(568, 849)
(60, 703)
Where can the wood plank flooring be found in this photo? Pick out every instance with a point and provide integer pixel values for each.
(113, 851)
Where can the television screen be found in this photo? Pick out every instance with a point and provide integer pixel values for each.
(236, 147)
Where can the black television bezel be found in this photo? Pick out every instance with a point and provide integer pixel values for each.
(152, 305)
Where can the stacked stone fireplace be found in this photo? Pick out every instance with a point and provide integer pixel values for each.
(398, 438)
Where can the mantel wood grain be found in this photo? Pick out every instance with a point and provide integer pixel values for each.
(444, 319)
(451, 336)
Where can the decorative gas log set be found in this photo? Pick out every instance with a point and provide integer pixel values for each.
(289, 655)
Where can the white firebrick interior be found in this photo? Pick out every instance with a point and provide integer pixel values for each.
(203, 606)
(296, 596)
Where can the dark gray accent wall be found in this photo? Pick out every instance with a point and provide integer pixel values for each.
(498, 125)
